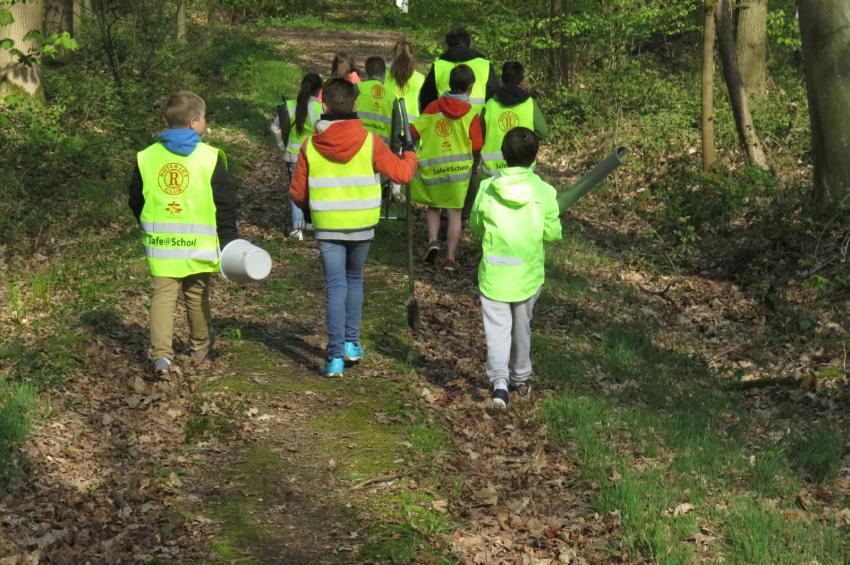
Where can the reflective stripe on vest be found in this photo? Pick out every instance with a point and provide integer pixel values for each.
(409, 92)
(480, 68)
(178, 217)
(375, 108)
(344, 196)
(498, 121)
(444, 164)
(504, 261)
(314, 111)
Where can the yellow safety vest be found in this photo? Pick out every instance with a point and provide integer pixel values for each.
(409, 92)
(178, 218)
(344, 196)
(444, 160)
(314, 111)
(498, 121)
(480, 68)
(375, 108)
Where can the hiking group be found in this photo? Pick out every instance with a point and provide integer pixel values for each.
(471, 152)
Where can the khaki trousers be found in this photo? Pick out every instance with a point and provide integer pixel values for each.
(196, 290)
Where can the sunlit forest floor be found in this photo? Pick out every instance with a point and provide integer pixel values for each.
(683, 411)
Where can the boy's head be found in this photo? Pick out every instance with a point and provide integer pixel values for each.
(186, 109)
(519, 148)
(513, 73)
(461, 79)
(338, 96)
(376, 68)
(458, 37)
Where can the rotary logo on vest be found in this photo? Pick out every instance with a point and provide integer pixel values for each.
(508, 121)
(173, 179)
(443, 127)
(378, 91)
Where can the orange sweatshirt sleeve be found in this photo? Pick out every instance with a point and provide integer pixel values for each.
(298, 189)
(397, 169)
(475, 134)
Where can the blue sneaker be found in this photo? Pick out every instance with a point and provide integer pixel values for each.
(334, 368)
(353, 351)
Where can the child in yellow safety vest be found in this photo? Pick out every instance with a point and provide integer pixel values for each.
(514, 215)
(301, 115)
(338, 179)
(510, 107)
(449, 134)
(376, 105)
(185, 202)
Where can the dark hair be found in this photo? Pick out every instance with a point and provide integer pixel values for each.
(519, 148)
(338, 96)
(513, 73)
(376, 67)
(460, 79)
(343, 63)
(182, 107)
(311, 84)
(404, 62)
(458, 37)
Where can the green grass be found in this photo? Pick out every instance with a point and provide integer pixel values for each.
(651, 429)
(17, 401)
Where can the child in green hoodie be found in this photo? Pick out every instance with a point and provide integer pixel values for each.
(514, 215)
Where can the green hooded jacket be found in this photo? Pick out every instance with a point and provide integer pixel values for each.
(514, 215)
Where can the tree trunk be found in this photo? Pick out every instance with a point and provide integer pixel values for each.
(81, 9)
(212, 9)
(181, 21)
(752, 45)
(560, 63)
(825, 31)
(734, 83)
(58, 18)
(15, 77)
(709, 155)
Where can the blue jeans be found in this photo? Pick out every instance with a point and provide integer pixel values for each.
(343, 263)
(298, 222)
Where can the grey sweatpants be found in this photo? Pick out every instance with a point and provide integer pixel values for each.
(507, 328)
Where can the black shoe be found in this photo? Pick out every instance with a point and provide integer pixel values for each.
(522, 389)
(499, 398)
(431, 254)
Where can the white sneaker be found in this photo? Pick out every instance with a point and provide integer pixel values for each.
(297, 234)
(162, 366)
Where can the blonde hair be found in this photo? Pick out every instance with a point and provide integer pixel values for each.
(183, 107)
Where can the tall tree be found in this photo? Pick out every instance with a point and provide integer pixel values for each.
(181, 21)
(825, 32)
(752, 44)
(560, 64)
(709, 155)
(735, 85)
(58, 18)
(15, 76)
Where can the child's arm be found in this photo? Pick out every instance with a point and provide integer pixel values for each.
(541, 128)
(278, 133)
(137, 197)
(475, 135)
(226, 203)
(476, 215)
(414, 133)
(428, 93)
(552, 230)
(298, 189)
(397, 169)
(493, 83)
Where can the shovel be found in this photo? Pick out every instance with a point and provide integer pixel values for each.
(412, 305)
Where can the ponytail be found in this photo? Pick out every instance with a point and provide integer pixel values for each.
(310, 86)
(404, 62)
(343, 64)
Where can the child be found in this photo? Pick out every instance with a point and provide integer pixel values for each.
(338, 179)
(449, 132)
(403, 80)
(304, 112)
(514, 215)
(510, 107)
(376, 106)
(185, 202)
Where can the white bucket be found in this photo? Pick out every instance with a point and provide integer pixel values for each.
(242, 262)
